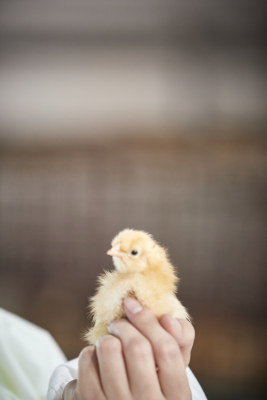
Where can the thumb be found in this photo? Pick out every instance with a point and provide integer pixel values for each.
(70, 392)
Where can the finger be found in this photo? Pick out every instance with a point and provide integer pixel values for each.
(112, 368)
(88, 385)
(172, 375)
(183, 332)
(69, 392)
(139, 360)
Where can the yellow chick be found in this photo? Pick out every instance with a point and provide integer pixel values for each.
(142, 270)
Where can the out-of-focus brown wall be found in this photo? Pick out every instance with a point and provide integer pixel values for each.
(204, 199)
(148, 114)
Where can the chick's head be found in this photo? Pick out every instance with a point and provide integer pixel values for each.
(134, 251)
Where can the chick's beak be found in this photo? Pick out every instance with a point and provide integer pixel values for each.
(114, 252)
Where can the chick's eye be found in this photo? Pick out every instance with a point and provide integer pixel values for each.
(134, 252)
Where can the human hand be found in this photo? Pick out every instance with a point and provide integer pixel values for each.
(123, 364)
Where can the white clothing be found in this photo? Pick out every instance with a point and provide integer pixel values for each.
(28, 356)
(68, 371)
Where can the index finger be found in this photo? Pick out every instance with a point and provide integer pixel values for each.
(69, 392)
(168, 357)
(184, 334)
(88, 385)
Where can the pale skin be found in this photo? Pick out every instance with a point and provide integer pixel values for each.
(142, 358)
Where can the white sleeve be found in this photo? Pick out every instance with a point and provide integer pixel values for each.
(28, 356)
(63, 374)
(67, 372)
(196, 389)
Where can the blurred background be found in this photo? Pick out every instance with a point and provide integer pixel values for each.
(142, 114)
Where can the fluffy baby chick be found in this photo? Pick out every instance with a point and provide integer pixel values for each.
(142, 270)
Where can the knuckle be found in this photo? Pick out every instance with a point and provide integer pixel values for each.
(86, 353)
(189, 336)
(109, 345)
(144, 318)
(187, 358)
(84, 394)
(167, 348)
(138, 348)
(149, 393)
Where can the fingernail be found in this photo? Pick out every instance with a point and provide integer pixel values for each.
(99, 340)
(132, 305)
(178, 325)
(87, 351)
(113, 330)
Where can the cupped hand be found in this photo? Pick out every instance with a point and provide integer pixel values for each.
(142, 358)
